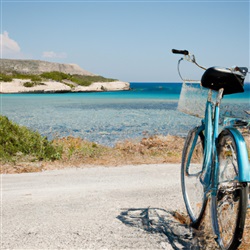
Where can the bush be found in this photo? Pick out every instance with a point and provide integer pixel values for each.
(78, 79)
(87, 80)
(9, 77)
(16, 141)
(5, 78)
(28, 84)
(55, 75)
(32, 84)
(34, 78)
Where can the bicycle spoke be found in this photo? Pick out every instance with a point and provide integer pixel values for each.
(227, 214)
(231, 199)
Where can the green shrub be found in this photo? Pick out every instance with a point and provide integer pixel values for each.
(70, 85)
(5, 78)
(9, 77)
(55, 75)
(28, 84)
(32, 84)
(87, 80)
(78, 79)
(34, 78)
(18, 140)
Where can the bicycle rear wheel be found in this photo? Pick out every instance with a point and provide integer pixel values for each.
(191, 169)
(229, 206)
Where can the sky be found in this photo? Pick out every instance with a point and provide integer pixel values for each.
(128, 40)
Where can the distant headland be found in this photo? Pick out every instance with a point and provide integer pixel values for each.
(35, 76)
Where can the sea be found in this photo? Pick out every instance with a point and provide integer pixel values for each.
(107, 117)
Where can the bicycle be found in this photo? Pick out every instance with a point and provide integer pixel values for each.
(215, 163)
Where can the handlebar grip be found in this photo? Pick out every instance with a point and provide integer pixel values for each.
(183, 52)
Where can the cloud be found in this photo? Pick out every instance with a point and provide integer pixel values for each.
(9, 47)
(52, 54)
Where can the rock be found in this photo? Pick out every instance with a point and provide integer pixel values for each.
(16, 86)
(103, 86)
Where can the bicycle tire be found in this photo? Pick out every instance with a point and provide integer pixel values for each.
(229, 205)
(192, 188)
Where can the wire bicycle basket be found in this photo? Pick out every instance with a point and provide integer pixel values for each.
(193, 99)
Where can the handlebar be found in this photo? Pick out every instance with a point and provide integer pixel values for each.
(183, 52)
(191, 58)
(188, 57)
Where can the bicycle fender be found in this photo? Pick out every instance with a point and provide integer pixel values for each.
(243, 162)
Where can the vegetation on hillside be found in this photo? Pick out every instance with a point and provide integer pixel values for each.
(82, 80)
(5, 77)
(78, 79)
(14, 75)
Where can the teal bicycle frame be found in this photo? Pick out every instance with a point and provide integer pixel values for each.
(218, 178)
(210, 126)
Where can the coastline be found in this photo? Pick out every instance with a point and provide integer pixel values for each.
(17, 86)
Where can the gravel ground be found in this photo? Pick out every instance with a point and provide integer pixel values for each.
(128, 207)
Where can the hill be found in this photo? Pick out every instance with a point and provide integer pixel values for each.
(25, 76)
(39, 67)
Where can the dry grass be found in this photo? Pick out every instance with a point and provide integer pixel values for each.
(204, 234)
(77, 152)
(245, 245)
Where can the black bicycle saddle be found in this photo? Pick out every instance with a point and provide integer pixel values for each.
(231, 81)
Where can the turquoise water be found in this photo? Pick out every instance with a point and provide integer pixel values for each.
(106, 117)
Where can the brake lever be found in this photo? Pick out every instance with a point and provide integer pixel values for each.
(190, 58)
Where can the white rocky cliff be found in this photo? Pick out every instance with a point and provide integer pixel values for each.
(49, 86)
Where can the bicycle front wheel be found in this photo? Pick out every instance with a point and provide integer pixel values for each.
(191, 169)
(229, 206)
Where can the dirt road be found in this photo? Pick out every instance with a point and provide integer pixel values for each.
(128, 207)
